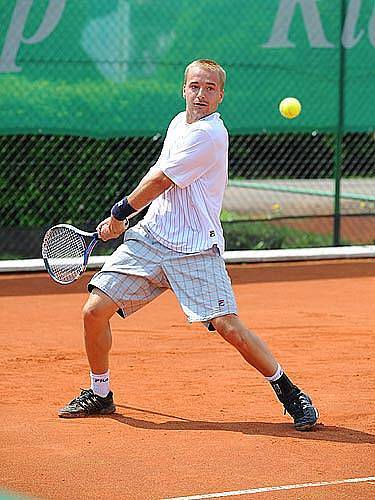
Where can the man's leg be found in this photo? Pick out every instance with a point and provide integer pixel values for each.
(252, 348)
(97, 312)
(257, 354)
(97, 400)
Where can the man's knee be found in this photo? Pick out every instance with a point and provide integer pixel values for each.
(98, 307)
(90, 311)
(227, 327)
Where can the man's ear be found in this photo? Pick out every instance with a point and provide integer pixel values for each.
(183, 91)
(222, 97)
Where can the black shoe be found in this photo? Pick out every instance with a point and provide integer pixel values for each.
(301, 409)
(88, 403)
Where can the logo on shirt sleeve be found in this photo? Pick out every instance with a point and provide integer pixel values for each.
(212, 234)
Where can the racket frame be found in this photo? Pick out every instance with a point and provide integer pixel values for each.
(88, 250)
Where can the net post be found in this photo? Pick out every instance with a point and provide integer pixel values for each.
(339, 134)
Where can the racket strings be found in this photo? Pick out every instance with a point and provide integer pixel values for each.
(64, 250)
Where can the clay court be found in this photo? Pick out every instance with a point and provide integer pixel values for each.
(193, 420)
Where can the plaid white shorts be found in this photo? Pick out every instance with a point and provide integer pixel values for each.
(142, 268)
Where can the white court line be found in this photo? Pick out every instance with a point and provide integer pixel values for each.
(274, 488)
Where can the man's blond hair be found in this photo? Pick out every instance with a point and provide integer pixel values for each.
(209, 64)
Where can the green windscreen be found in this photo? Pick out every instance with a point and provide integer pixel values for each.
(110, 68)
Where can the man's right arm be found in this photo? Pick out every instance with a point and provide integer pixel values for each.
(154, 183)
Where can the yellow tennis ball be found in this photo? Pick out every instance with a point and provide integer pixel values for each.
(290, 107)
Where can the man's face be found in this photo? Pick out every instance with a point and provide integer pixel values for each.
(202, 93)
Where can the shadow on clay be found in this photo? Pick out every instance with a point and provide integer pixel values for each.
(320, 432)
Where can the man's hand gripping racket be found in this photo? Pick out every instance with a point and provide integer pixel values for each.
(66, 249)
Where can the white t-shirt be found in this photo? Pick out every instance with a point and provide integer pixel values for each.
(186, 217)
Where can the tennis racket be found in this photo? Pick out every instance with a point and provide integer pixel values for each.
(66, 251)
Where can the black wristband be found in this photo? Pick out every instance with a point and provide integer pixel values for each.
(122, 209)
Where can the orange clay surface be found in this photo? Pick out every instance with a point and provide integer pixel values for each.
(192, 417)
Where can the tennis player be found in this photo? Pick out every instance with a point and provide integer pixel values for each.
(178, 245)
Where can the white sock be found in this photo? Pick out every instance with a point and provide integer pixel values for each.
(100, 383)
(276, 375)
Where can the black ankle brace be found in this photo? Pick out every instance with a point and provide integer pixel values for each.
(284, 388)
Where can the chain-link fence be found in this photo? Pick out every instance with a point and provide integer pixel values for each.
(87, 90)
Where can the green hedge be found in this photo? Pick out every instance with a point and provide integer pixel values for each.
(250, 235)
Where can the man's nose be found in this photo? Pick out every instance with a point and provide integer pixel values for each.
(200, 92)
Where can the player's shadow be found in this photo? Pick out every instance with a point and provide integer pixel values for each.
(320, 433)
